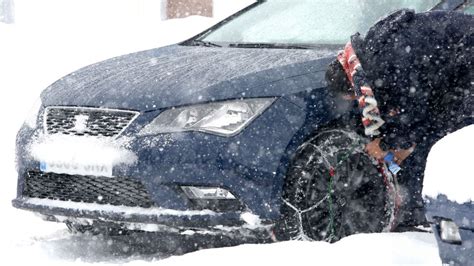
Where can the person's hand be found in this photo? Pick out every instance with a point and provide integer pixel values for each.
(374, 150)
(401, 155)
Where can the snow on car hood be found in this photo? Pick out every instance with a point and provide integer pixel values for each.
(178, 75)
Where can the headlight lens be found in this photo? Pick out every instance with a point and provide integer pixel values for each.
(225, 118)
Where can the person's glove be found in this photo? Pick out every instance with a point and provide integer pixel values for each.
(393, 167)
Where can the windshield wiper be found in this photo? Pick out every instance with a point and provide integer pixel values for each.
(270, 45)
(202, 43)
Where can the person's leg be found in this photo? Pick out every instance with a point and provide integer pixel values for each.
(410, 180)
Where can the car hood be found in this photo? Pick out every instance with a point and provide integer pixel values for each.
(179, 75)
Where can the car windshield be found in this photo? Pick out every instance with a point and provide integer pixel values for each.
(307, 22)
(469, 9)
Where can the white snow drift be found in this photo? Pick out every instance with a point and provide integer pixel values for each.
(449, 168)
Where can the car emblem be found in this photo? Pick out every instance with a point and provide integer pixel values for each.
(80, 123)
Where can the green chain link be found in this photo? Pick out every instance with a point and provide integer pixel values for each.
(331, 175)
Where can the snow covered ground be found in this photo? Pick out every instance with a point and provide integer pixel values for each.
(33, 54)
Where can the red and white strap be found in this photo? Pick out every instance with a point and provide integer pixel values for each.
(371, 118)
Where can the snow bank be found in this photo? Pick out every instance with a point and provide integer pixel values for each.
(116, 11)
(449, 168)
(363, 249)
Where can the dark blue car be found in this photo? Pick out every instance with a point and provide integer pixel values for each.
(231, 130)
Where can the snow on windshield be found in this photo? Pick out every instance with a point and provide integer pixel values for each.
(305, 22)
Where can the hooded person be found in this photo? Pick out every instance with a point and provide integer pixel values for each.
(420, 67)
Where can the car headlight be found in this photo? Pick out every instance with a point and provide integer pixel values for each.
(225, 118)
(32, 116)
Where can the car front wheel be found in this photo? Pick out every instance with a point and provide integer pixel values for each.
(333, 189)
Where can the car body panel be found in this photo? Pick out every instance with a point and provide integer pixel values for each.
(180, 75)
(463, 215)
(159, 216)
(252, 164)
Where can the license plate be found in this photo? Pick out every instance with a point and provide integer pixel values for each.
(76, 169)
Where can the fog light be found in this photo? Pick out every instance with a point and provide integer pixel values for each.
(450, 232)
(207, 193)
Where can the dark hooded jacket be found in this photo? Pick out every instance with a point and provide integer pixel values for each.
(422, 66)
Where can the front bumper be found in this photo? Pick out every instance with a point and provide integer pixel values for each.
(251, 165)
(72, 211)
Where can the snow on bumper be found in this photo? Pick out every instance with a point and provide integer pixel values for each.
(81, 155)
(156, 216)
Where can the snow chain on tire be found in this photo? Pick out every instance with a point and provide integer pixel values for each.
(312, 207)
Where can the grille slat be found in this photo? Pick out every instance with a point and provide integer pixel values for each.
(88, 189)
(87, 121)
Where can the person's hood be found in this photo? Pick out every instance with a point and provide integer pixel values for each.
(179, 75)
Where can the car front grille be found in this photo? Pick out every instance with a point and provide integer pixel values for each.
(88, 189)
(87, 121)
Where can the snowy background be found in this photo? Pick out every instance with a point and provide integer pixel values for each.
(51, 38)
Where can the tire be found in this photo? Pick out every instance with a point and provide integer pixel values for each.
(333, 189)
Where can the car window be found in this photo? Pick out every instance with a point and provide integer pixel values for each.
(469, 9)
(308, 21)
